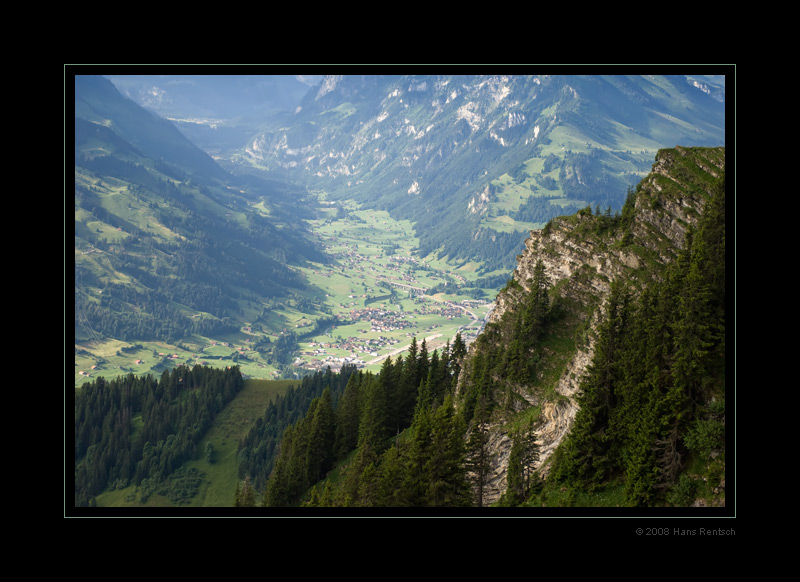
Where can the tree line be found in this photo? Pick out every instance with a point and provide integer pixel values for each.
(136, 430)
(398, 428)
(112, 315)
(257, 450)
(393, 445)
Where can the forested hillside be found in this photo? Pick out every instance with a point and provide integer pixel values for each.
(597, 378)
(650, 314)
(167, 244)
(650, 427)
(139, 430)
(396, 434)
(258, 449)
(446, 428)
(652, 408)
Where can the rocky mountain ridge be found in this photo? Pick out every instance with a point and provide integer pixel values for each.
(582, 259)
(476, 160)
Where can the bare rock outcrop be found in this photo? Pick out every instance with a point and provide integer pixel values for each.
(582, 264)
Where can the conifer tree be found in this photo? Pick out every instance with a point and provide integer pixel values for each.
(515, 486)
(405, 393)
(524, 454)
(419, 451)
(320, 454)
(423, 361)
(391, 479)
(327, 500)
(537, 304)
(411, 368)
(247, 496)
(283, 483)
(587, 455)
(445, 469)
(530, 456)
(377, 422)
(438, 378)
(313, 498)
(368, 493)
(477, 453)
(348, 416)
(457, 353)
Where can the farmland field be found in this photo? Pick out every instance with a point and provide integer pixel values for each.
(383, 294)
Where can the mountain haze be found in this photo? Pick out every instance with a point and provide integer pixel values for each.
(214, 97)
(475, 161)
(99, 102)
(168, 243)
(218, 113)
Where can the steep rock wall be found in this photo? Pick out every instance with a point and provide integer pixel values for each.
(582, 262)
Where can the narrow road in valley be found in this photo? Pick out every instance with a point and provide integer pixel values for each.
(379, 359)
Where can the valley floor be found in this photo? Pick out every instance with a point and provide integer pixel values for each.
(380, 292)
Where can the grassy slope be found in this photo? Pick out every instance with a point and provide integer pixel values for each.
(221, 477)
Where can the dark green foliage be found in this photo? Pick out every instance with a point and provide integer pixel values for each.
(426, 469)
(155, 318)
(477, 451)
(284, 348)
(538, 209)
(509, 350)
(348, 415)
(211, 454)
(588, 456)
(307, 446)
(320, 454)
(258, 450)
(706, 433)
(408, 441)
(444, 469)
(653, 393)
(179, 487)
(520, 477)
(246, 496)
(175, 413)
(379, 417)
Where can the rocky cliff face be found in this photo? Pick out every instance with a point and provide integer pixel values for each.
(582, 255)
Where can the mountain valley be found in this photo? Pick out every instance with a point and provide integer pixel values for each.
(400, 291)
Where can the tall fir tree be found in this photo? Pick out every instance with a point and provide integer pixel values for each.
(445, 469)
(320, 452)
(587, 456)
(477, 452)
(348, 416)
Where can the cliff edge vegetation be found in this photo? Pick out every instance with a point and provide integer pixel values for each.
(605, 355)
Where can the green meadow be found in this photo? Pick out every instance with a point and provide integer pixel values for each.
(373, 283)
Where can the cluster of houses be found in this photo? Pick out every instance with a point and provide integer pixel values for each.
(380, 319)
(335, 363)
(356, 347)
